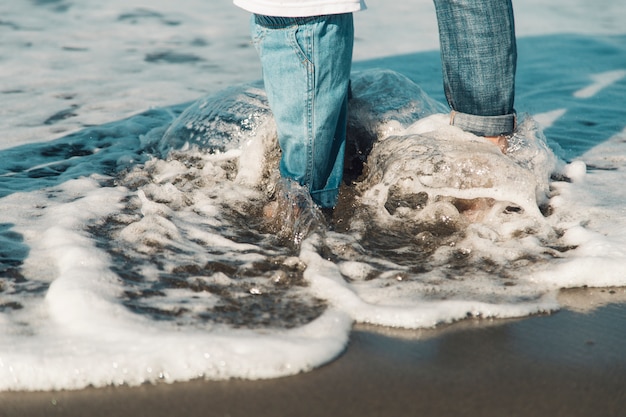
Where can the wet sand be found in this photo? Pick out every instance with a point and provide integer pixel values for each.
(570, 363)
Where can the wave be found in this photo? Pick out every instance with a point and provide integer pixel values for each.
(159, 265)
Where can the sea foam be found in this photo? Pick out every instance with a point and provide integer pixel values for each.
(164, 270)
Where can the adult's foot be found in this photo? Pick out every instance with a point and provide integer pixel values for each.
(501, 142)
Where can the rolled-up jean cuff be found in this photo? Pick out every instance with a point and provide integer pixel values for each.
(326, 198)
(484, 125)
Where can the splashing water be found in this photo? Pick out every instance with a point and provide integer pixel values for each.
(165, 267)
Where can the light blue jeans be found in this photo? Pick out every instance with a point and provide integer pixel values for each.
(306, 65)
(479, 59)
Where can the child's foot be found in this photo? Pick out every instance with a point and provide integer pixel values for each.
(270, 211)
(292, 215)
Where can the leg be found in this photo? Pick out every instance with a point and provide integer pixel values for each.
(479, 57)
(306, 70)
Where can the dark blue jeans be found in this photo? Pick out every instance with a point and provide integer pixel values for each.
(479, 58)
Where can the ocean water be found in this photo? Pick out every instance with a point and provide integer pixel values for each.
(137, 152)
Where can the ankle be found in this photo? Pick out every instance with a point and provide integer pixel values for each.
(501, 141)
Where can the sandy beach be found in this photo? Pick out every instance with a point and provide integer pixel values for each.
(570, 363)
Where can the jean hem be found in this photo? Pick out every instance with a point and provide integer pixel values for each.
(484, 125)
(325, 198)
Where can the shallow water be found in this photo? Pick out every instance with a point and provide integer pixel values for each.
(135, 250)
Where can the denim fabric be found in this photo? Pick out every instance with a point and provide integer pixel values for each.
(479, 58)
(306, 65)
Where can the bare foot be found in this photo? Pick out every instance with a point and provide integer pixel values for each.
(292, 216)
(270, 211)
(500, 141)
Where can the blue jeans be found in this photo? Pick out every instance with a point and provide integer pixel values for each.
(306, 65)
(479, 58)
(306, 68)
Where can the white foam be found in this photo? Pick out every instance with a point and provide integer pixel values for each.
(404, 309)
(548, 119)
(91, 339)
(132, 354)
(576, 171)
(600, 82)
